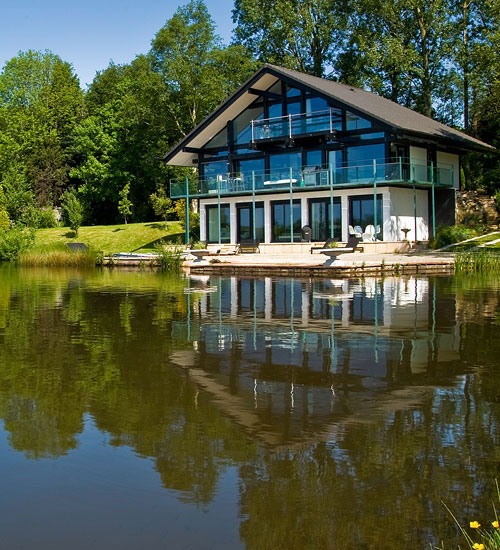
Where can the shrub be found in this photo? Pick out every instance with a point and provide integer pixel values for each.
(497, 200)
(72, 211)
(449, 234)
(169, 258)
(14, 241)
(4, 220)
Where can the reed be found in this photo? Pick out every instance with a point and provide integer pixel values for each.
(169, 258)
(57, 255)
(477, 262)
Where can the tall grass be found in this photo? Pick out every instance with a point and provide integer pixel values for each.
(57, 255)
(169, 258)
(477, 262)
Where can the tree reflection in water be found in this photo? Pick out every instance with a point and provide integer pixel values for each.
(348, 409)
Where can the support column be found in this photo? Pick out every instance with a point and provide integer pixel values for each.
(267, 221)
(233, 226)
(203, 223)
(344, 205)
(304, 212)
(388, 232)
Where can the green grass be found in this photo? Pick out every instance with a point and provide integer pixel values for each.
(472, 244)
(133, 237)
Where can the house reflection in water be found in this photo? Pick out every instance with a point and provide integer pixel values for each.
(293, 359)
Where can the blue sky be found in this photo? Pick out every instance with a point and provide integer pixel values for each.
(90, 33)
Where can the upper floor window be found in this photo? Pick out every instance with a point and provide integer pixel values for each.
(355, 122)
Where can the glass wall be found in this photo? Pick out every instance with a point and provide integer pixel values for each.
(361, 213)
(280, 211)
(213, 169)
(213, 223)
(280, 166)
(319, 219)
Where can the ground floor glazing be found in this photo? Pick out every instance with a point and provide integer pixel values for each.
(391, 214)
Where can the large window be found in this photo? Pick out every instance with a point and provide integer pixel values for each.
(320, 216)
(281, 221)
(361, 213)
(243, 126)
(213, 169)
(213, 223)
(280, 166)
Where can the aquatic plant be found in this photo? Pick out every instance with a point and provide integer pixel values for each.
(479, 537)
(477, 262)
(57, 255)
(169, 258)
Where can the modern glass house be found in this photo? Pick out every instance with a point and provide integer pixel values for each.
(288, 150)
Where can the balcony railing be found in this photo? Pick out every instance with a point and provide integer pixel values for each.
(294, 125)
(315, 178)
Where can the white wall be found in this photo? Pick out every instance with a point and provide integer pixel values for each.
(445, 160)
(403, 215)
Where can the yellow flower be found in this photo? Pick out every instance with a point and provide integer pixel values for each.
(478, 546)
(495, 524)
(475, 525)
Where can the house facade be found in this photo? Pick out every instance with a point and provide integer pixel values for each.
(290, 158)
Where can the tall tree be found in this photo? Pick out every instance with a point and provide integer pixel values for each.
(198, 70)
(300, 34)
(40, 103)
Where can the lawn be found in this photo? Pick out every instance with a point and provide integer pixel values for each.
(133, 237)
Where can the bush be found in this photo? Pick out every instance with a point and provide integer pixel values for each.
(169, 259)
(497, 200)
(449, 234)
(72, 211)
(4, 220)
(38, 218)
(14, 241)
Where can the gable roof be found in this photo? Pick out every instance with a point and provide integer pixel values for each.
(397, 118)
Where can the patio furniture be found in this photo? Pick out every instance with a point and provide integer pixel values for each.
(354, 233)
(334, 253)
(77, 247)
(248, 246)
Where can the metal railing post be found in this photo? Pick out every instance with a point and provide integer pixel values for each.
(253, 205)
(375, 196)
(218, 209)
(187, 210)
(290, 125)
(330, 178)
(291, 205)
(331, 121)
(253, 137)
(433, 203)
(415, 209)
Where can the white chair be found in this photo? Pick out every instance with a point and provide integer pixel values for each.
(369, 234)
(353, 232)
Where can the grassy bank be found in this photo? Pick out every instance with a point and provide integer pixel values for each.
(133, 237)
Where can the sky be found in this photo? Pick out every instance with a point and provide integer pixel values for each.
(90, 33)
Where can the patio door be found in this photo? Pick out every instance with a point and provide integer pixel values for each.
(245, 222)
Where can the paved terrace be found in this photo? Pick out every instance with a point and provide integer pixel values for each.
(313, 264)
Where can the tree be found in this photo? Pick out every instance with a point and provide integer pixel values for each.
(40, 104)
(300, 34)
(124, 204)
(72, 210)
(162, 204)
(197, 70)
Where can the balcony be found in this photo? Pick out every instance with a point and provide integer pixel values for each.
(293, 126)
(316, 178)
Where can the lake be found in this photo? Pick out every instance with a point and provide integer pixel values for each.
(142, 410)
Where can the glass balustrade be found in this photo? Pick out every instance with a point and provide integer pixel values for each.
(363, 175)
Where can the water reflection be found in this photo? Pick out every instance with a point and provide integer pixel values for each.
(290, 359)
(329, 410)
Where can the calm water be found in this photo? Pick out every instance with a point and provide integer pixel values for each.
(144, 411)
